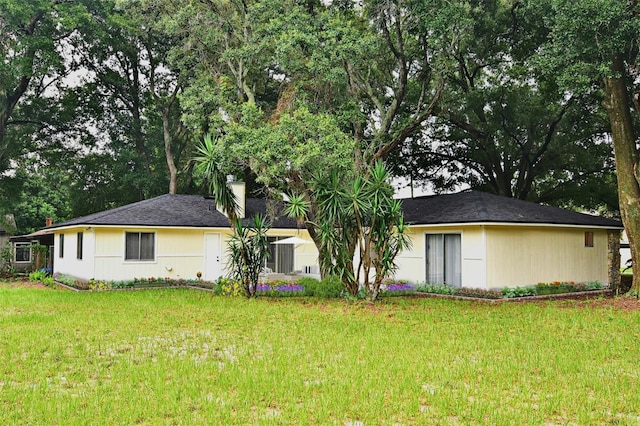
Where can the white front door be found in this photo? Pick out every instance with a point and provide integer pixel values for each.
(211, 257)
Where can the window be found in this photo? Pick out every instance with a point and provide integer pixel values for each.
(61, 244)
(444, 265)
(139, 246)
(22, 252)
(281, 259)
(588, 239)
(79, 245)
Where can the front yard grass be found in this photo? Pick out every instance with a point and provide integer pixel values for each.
(187, 357)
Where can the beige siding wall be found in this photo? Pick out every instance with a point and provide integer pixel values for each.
(412, 263)
(474, 271)
(179, 253)
(527, 255)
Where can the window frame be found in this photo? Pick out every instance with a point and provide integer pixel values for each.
(61, 246)
(588, 239)
(460, 262)
(79, 245)
(278, 252)
(22, 245)
(138, 259)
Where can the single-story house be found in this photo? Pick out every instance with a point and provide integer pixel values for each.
(480, 240)
(470, 239)
(172, 236)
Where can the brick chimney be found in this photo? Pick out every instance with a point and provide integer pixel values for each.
(48, 221)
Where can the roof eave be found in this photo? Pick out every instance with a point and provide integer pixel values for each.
(518, 224)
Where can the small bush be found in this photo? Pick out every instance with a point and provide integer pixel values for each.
(226, 287)
(309, 284)
(511, 292)
(330, 287)
(436, 288)
(48, 281)
(37, 275)
(99, 285)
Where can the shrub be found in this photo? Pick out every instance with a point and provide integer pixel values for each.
(99, 285)
(436, 288)
(594, 285)
(37, 275)
(309, 285)
(6, 267)
(330, 287)
(226, 287)
(49, 281)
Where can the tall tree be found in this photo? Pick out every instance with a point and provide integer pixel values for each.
(503, 126)
(594, 47)
(305, 86)
(32, 69)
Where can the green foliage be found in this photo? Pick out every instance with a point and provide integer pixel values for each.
(210, 165)
(248, 250)
(257, 355)
(510, 292)
(436, 288)
(328, 287)
(503, 126)
(6, 265)
(539, 289)
(43, 276)
(37, 275)
(226, 287)
(356, 213)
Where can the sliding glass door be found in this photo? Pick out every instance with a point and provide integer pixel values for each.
(444, 259)
(281, 258)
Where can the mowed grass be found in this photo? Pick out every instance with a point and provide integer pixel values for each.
(185, 357)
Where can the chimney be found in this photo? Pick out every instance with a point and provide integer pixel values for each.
(239, 190)
(48, 221)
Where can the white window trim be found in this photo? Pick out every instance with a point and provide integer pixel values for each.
(155, 247)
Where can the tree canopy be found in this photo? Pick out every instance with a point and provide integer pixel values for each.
(108, 99)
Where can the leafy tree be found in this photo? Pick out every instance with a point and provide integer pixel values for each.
(502, 126)
(593, 47)
(34, 193)
(35, 75)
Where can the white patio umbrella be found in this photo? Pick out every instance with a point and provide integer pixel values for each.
(293, 240)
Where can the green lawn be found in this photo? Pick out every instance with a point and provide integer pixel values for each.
(185, 357)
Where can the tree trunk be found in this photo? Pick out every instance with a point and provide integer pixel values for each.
(613, 264)
(173, 171)
(626, 156)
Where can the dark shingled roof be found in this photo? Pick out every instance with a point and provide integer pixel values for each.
(464, 207)
(482, 207)
(173, 210)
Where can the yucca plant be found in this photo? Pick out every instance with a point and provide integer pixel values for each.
(248, 252)
(359, 214)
